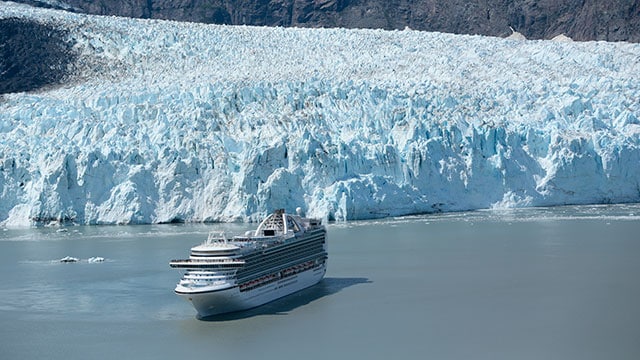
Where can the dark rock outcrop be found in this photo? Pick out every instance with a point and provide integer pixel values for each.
(32, 55)
(612, 20)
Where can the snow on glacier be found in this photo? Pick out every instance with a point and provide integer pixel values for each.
(166, 121)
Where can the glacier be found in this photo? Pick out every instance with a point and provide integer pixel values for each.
(181, 122)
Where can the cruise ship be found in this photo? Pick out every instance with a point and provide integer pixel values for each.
(286, 253)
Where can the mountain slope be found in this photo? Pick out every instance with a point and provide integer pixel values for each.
(613, 20)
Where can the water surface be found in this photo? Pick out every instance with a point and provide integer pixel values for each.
(552, 283)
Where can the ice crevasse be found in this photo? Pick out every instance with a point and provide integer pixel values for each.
(165, 121)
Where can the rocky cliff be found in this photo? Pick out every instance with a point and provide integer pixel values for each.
(612, 20)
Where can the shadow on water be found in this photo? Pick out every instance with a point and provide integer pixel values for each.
(328, 286)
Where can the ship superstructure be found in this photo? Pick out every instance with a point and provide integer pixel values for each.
(286, 253)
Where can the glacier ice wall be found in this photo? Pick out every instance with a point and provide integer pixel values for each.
(167, 121)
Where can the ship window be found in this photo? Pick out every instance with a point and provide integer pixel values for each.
(269, 232)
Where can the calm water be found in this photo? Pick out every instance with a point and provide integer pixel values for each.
(560, 283)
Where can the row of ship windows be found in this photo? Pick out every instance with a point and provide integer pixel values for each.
(280, 262)
(285, 249)
(289, 253)
(310, 239)
(205, 254)
(269, 261)
(243, 277)
(209, 274)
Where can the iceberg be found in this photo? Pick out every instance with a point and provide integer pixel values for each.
(166, 122)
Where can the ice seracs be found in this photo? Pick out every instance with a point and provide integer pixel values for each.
(172, 122)
(515, 35)
(562, 38)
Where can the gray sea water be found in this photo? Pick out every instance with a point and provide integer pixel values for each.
(544, 283)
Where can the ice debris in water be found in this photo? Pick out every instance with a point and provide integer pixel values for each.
(172, 122)
(91, 260)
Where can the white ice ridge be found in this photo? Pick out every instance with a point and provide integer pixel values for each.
(169, 121)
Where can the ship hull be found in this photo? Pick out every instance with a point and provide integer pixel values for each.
(232, 299)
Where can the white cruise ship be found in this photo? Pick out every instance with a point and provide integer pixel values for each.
(286, 253)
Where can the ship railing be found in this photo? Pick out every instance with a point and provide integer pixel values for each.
(214, 237)
(199, 261)
(204, 262)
